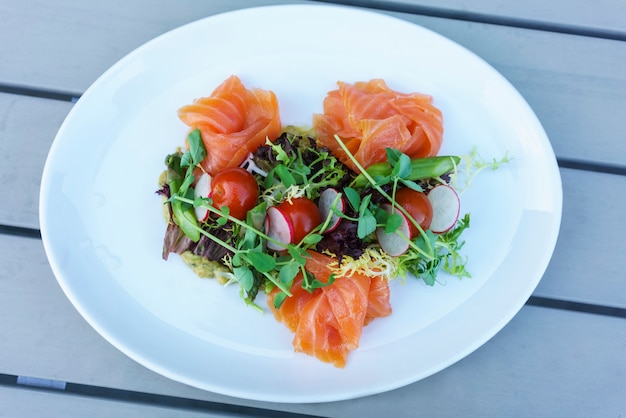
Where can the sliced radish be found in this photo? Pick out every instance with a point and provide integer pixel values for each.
(278, 227)
(446, 207)
(326, 200)
(394, 243)
(202, 189)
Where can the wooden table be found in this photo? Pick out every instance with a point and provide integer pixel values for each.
(564, 354)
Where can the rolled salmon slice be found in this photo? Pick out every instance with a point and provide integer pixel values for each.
(291, 309)
(329, 321)
(318, 333)
(378, 305)
(371, 117)
(233, 122)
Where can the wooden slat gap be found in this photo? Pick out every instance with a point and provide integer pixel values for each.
(153, 399)
(467, 16)
(20, 231)
(39, 93)
(572, 306)
(592, 166)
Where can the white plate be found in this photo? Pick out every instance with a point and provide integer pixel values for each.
(102, 227)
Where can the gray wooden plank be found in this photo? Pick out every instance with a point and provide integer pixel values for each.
(575, 84)
(30, 123)
(513, 374)
(23, 403)
(24, 131)
(50, 340)
(68, 52)
(48, 336)
(570, 115)
(27, 128)
(601, 15)
(586, 265)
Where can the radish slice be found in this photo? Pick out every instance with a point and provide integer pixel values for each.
(446, 207)
(278, 226)
(326, 200)
(394, 244)
(202, 189)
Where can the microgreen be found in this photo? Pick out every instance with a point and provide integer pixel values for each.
(428, 253)
(354, 198)
(297, 169)
(179, 182)
(474, 163)
(310, 283)
(196, 152)
(367, 221)
(421, 169)
(299, 164)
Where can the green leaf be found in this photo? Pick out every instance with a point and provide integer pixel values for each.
(403, 168)
(312, 239)
(288, 272)
(260, 261)
(256, 216)
(393, 155)
(237, 261)
(366, 225)
(367, 221)
(268, 182)
(382, 180)
(185, 160)
(185, 186)
(284, 175)
(222, 220)
(364, 206)
(245, 277)
(202, 201)
(393, 222)
(281, 155)
(353, 197)
(225, 210)
(411, 185)
(310, 283)
(249, 241)
(426, 241)
(197, 150)
(279, 299)
(429, 276)
(298, 254)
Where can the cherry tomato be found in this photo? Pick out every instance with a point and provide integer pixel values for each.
(418, 206)
(303, 214)
(235, 188)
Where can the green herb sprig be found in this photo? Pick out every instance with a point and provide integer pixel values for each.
(250, 264)
(428, 253)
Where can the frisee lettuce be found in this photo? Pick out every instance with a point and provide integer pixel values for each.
(293, 166)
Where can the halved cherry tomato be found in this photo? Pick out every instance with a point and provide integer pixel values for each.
(418, 206)
(235, 188)
(303, 214)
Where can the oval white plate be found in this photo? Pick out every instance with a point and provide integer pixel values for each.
(102, 227)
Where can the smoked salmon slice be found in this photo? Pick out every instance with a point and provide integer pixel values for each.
(378, 305)
(329, 321)
(370, 117)
(292, 307)
(233, 121)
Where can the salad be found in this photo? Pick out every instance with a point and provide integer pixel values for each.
(317, 219)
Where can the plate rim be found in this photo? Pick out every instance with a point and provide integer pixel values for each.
(44, 213)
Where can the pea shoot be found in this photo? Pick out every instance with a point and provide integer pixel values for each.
(293, 167)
